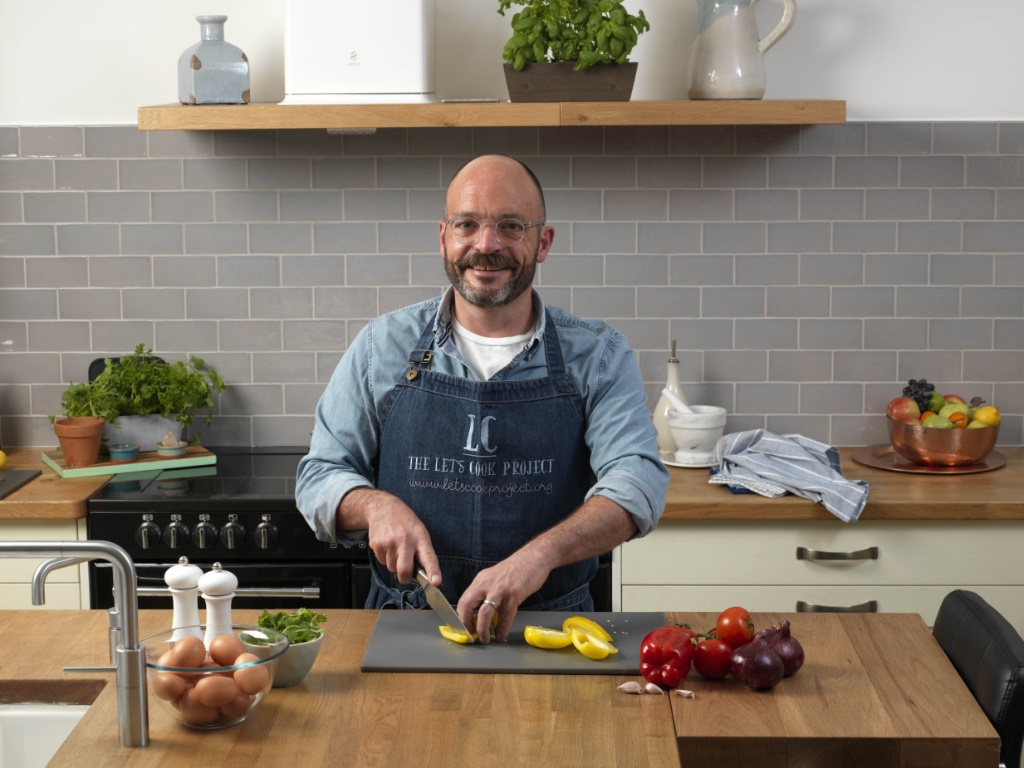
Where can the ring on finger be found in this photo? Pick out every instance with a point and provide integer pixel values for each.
(491, 603)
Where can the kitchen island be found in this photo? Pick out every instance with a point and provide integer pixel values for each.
(874, 688)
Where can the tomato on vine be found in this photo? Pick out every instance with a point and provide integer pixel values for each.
(734, 627)
(711, 658)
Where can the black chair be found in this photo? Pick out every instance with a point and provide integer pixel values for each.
(989, 655)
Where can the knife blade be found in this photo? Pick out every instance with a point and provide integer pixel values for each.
(441, 606)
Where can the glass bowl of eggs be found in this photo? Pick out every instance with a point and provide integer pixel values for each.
(216, 683)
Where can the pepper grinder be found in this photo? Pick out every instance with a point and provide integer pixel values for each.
(666, 443)
(183, 581)
(217, 587)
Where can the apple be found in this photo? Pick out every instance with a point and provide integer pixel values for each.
(977, 424)
(955, 407)
(936, 402)
(954, 399)
(904, 409)
(937, 422)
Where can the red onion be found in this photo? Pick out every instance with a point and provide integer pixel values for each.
(786, 646)
(756, 665)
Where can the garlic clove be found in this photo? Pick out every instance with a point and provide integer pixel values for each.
(631, 687)
(653, 688)
(685, 693)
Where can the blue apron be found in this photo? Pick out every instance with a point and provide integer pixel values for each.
(487, 466)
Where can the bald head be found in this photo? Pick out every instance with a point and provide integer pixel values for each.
(497, 175)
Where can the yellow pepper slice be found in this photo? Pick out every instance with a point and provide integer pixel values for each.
(592, 646)
(454, 635)
(589, 626)
(544, 637)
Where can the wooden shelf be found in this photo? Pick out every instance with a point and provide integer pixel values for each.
(184, 117)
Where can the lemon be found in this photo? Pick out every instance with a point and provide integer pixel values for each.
(543, 637)
(988, 414)
(3, 459)
(592, 646)
(455, 635)
(589, 626)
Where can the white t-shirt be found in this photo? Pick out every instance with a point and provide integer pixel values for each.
(487, 356)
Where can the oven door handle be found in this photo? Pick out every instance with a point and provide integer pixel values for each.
(303, 593)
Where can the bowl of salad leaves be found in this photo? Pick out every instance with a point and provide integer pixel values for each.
(305, 635)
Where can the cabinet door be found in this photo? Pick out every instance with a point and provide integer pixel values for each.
(63, 590)
(909, 553)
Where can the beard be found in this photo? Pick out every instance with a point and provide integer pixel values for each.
(520, 279)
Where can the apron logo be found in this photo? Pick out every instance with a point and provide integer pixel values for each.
(480, 445)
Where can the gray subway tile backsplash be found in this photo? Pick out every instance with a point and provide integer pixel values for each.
(804, 272)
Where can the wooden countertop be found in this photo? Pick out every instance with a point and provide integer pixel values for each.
(995, 495)
(49, 496)
(876, 689)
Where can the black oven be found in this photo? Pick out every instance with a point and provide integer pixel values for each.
(239, 512)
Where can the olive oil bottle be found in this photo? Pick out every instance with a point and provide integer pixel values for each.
(666, 443)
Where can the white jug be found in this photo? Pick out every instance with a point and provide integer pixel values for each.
(726, 58)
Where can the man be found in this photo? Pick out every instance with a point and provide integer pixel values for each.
(499, 443)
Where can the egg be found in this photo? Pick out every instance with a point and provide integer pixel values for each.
(237, 707)
(216, 691)
(224, 649)
(194, 711)
(189, 651)
(168, 686)
(251, 679)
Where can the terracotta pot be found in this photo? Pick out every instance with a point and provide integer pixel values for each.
(79, 438)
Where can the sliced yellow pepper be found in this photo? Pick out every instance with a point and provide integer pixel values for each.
(589, 626)
(544, 637)
(592, 646)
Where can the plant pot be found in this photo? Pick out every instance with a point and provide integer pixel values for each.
(79, 438)
(293, 667)
(145, 431)
(556, 81)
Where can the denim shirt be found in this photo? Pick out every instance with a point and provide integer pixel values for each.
(619, 433)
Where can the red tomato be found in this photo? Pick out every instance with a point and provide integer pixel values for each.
(711, 658)
(734, 627)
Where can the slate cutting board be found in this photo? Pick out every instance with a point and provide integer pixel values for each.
(409, 641)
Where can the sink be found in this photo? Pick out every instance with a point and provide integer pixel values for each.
(36, 716)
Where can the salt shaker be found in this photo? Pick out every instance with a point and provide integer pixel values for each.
(218, 587)
(666, 443)
(183, 581)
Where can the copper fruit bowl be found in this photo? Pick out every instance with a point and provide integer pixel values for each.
(941, 447)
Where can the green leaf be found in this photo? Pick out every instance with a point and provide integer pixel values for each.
(299, 627)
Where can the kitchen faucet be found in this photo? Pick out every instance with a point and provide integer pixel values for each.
(127, 655)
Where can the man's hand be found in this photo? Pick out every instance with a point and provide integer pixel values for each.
(506, 584)
(396, 535)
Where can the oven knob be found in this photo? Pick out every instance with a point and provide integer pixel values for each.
(204, 535)
(147, 535)
(176, 535)
(232, 535)
(266, 535)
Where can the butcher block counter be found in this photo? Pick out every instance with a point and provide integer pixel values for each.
(995, 495)
(874, 690)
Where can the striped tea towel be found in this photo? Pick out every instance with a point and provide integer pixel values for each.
(773, 465)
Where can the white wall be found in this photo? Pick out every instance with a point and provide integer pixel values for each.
(93, 63)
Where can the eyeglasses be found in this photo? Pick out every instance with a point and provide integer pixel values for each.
(507, 231)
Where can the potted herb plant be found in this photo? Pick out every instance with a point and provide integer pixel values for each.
(303, 630)
(571, 50)
(164, 397)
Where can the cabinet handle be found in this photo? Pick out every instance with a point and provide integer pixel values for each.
(806, 553)
(871, 606)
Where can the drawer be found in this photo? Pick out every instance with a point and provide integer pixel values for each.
(908, 553)
(922, 600)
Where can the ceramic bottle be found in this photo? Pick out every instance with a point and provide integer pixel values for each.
(213, 71)
(666, 443)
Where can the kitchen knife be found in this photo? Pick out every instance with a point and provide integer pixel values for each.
(441, 605)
